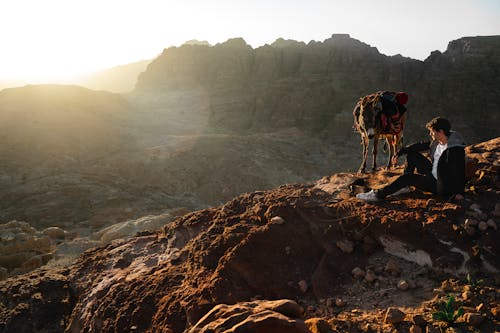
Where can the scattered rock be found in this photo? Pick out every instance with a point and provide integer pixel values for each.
(54, 232)
(483, 226)
(491, 224)
(370, 276)
(345, 246)
(303, 285)
(473, 319)
(392, 267)
(23, 248)
(496, 211)
(130, 228)
(447, 285)
(470, 230)
(418, 320)
(358, 273)
(470, 222)
(277, 220)
(280, 316)
(495, 312)
(415, 329)
(318, 325)
(393, 316)
(466, 295)
(452, 329)
(475, 207)
(403, 285)
(339, 302)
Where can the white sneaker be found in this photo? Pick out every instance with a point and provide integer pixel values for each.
(368, 196)
(404, 190)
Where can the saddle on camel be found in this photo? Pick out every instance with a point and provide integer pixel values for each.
(380, 115)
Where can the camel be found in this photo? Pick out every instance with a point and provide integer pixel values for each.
(368, 119)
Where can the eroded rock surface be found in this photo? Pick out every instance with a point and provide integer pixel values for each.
(240, 252)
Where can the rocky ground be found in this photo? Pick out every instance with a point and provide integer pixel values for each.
(299, 258)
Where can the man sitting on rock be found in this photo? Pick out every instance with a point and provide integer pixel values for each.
(443, 174)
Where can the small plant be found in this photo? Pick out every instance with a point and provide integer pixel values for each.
(473, 282)
(448, 313)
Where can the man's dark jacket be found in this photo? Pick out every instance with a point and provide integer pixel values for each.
(451, 164)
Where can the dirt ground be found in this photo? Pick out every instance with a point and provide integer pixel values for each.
(349, 265)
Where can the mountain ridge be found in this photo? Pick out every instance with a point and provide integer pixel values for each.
(312, 85)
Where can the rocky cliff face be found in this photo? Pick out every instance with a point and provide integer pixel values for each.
(315, 86)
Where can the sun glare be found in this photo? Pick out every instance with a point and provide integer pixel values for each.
(60, 39)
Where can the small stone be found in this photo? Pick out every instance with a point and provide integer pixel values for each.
(303, 285)
(473, 319)
(339, 302)
(495, 312)
(438, 292)
(492, 224)
(431, 202)
(358, 273)
(54, 232)
(277, 220)
(317, 325)
(415, 329)
(475, 207)
(345, 246)
(470, 222)
(482, 226)
(452, 329)
(466, 295)
(403, 285)
(479, 307)
(470, 230)
(447, 285)
(418, 320)
(393, 316)
(370, 276)
(392, 267)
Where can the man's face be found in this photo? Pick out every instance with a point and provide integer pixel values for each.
(437, 135)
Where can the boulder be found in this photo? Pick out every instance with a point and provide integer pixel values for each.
(280, 316)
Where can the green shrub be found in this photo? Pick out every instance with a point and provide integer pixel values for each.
(448, 313)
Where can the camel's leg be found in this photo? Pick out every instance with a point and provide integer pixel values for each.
(375, 152)
(391, 142)
(365, 142)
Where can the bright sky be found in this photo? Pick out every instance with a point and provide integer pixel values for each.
(56, 39)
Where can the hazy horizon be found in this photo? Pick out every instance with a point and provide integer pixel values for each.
(56, 40)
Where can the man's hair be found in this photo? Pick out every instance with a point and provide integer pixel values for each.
(439, 123)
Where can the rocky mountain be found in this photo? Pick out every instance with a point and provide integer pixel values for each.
(314, 86)
(119, 79)
(207, 123)
(297, 258)
(51, 138)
